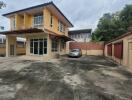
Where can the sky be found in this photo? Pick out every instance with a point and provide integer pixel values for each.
(82, 13)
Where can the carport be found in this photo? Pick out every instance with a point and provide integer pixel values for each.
(11, 39)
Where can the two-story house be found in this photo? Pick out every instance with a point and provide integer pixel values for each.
(45, 28)
(82, 35)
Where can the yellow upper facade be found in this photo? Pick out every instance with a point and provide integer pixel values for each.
(46, 16)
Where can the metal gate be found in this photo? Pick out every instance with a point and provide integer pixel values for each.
(118, 50)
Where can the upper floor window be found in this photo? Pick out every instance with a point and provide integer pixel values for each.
(13, 23)
(38, 20)
(61, 27)
(51, 20)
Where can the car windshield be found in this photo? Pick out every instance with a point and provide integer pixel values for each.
(74, 50)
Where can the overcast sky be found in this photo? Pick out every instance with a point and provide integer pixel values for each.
(82, 13)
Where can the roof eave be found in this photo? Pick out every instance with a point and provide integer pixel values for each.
(71, 25)
(45, 4)
(80, 31)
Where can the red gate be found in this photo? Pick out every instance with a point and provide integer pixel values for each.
(118, 50)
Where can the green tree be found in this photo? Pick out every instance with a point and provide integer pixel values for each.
(126, 16)
(96, 38)
(105, 27)
(113, 25)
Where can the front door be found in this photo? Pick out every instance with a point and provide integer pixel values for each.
(12, 52)
(130, 54)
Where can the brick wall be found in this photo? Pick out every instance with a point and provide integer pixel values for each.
(87, 46)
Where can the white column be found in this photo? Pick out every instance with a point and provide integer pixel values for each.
(27, 46)
(7, 46)
(49, 42)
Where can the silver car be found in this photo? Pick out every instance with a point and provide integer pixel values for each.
(75, 53)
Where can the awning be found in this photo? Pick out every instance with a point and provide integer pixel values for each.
(22, 31)
(65, 38)
(54, 35)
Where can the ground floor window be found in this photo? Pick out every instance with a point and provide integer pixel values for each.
(54, 46)
(38, 46)
(63, 44)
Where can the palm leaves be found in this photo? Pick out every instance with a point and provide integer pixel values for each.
(96, 38)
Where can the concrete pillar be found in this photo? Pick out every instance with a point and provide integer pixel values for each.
(10, 41)
(49, 42)
(7, 46)
(59, 46)
(67, 47)
(27, 46)
(105, 50)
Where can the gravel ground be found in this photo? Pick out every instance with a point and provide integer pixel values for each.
(86, 78)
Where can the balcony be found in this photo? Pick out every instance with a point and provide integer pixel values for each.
(40, 26)
(38, 21)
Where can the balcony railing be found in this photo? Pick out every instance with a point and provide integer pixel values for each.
(39, 26)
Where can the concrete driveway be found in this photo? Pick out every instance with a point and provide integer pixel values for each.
(86, 78)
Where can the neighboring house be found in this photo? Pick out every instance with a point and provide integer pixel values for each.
(45, 28)
(83, 35)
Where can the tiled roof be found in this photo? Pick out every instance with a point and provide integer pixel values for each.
(80, 31)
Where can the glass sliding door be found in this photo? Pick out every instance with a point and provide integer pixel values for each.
(31, 46)
(41, 47)
(35, 47)
(38, 46)
(45, 46)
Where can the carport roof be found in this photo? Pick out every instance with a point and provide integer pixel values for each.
(65, 38)
(54, 35)
(22, 31)
(35, 30)
(80, 31)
